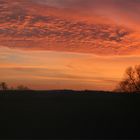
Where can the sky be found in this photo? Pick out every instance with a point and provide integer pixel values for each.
(68, 44)
(123, 11)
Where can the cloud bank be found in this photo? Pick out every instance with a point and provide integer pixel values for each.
(33, 26)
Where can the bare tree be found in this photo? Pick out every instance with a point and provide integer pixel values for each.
(3, 86)
(131, 81)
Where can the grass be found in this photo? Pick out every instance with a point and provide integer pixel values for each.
(69, 114)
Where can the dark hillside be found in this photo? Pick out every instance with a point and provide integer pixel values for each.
(69, 114)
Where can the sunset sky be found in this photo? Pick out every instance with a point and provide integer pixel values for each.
(68, 44)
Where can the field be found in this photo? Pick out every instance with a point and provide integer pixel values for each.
(69, 114)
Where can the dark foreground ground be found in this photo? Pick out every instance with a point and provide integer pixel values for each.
(69, 114)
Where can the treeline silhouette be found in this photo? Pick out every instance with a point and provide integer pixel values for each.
(129, 84)
(4, 86)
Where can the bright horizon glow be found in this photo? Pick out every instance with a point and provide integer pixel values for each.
(41, 70)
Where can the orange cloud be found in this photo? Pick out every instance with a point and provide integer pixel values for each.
(51, 29)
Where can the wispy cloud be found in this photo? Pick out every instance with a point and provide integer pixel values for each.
(48, 70)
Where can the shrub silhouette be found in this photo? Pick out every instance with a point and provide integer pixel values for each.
(131, 81)
(3, 86)
(21, 87)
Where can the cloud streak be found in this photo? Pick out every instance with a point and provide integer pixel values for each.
(55, 70)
